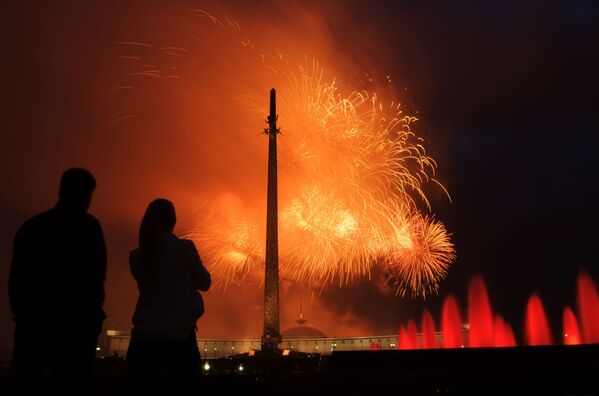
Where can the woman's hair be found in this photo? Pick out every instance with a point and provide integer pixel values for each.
(159, 219)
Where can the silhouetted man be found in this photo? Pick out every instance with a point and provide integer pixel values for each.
(56, 292)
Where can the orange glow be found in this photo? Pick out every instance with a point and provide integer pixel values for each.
(352, 171)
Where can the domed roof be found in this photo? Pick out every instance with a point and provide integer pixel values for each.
(302, 331)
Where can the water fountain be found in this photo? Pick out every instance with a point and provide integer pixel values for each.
(537, 330)
(571, 335)
(588, 309)
(480, 315)
(504, 336)
(484, 328)
(408, 338)
(451, 324)
(479, 354)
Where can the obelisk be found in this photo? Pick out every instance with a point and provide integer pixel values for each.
(271, 337)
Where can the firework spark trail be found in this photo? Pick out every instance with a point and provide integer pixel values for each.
(231, 241)
(418, 256)
(374, 152)
(360, 161)
(353, 173)
(358, 165)
(123, 118)
(318, 239)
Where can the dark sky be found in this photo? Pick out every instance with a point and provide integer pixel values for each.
(509, 93)
(506, 94)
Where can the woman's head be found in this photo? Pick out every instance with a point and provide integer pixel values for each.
(160, 216)
(159, 219)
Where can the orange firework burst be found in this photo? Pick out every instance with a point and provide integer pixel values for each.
(231, 242)
(418, 255)
(319, 236)
(351, 177)
(368, 165)
(356, 168)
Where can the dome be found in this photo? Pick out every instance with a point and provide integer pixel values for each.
(302, 331)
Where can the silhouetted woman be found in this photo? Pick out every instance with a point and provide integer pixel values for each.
(163, 355)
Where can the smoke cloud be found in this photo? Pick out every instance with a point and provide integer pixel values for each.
(169, 101)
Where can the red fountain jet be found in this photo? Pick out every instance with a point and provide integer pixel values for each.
(588, 308)
(428, 331)
(480, 315)
(451, 324)
(536, 326)
(571, 334)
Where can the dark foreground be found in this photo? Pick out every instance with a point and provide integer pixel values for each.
(551, 370)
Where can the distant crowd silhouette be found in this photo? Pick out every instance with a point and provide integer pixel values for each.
(56, 286)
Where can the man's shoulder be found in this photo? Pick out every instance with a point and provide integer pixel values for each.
(37, 221)
(53, 214)
(53, 219)
(91, 220)
(88, 222)
(43, 216)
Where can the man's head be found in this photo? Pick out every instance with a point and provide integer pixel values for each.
(76, 188)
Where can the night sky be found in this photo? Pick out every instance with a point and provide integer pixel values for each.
(505, 93)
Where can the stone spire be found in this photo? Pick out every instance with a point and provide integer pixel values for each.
(271, 337)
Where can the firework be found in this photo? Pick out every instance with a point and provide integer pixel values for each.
(319, 239)
(231, 243)
(352, 174)
(418, 255)
(361, 171)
